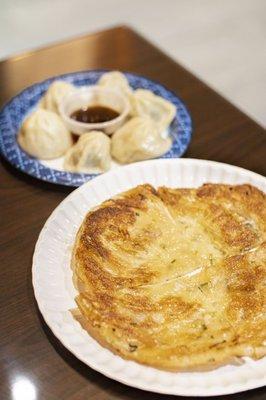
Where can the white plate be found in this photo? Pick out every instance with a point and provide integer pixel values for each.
(54, 290)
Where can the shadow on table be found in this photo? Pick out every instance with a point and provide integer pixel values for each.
(22, 176)
(118, 390)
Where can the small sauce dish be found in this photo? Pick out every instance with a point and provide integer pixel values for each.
(76, 108)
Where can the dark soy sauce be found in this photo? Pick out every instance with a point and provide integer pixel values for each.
(94, 114)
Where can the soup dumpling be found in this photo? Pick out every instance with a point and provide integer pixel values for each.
(115, 80)
(43, 135)
(139, 139)
(54, 95)
(91, 154)
(161, 111)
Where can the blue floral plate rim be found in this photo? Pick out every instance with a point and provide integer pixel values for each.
(10, 121)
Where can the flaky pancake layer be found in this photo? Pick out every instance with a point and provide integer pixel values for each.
(175, 278)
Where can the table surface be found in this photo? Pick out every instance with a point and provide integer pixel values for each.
(29, 353)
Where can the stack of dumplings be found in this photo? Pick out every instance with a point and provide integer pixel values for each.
(44, 135)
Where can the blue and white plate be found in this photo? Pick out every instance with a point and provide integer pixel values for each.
(14, 112)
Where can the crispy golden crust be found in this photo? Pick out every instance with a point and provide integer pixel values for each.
(175, 278)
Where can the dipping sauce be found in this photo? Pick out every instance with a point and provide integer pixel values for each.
(94, 114)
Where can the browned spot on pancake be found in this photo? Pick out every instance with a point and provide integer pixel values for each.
(138, 303)
(234, 232)
(176, 307)
(244, 279)
(172, 196)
